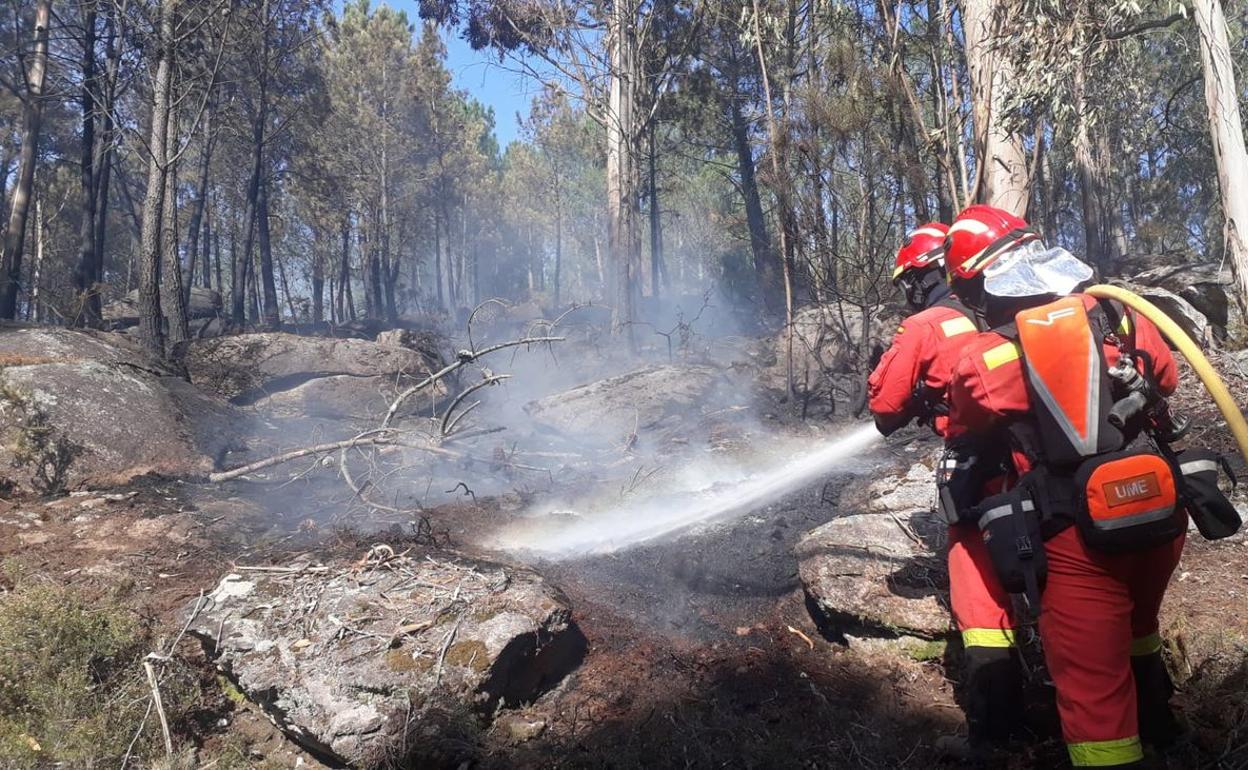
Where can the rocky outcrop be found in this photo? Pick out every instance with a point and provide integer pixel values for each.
(1199, 296)
(378, 664)
(612, 409)
(1190, 320)
(124, 313)
(82, 407)
(313, 376)
(881, 572)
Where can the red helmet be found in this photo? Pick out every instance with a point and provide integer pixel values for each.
(981, 234)
(922, 247)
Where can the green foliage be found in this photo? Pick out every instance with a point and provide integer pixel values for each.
(72, 688)
(35, 444)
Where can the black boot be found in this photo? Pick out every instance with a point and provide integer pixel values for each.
(1153, 688)
(993, 693)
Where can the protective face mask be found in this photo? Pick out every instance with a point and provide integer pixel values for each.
(1034, 268)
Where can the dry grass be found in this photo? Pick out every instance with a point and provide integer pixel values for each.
(72, 688)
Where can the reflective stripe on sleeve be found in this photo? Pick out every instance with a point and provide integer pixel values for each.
(1121, 751)
(1146, 645)
(1001, 354)
(999, 638)
(955, 326)
(1198, 466)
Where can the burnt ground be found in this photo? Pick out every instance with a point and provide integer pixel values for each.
(701, 650)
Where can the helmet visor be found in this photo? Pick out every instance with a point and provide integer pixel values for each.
(1033, 269)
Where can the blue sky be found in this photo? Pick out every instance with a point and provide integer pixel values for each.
(480, 74)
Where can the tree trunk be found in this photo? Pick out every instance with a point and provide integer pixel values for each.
(1094, 183)
(151, 321)
(216, 253)
(37, 269)
(32, 118)
(1222, 101)
(238, 287)
(87, 279)
(347, 309)
(437, 259)
(172, 300)
(206, 249)
(782, 192)
(765, 263)
(1001, 161)
(104, 145)
(318, 285)
(656, 217)
(272, 314)
(622, 244)
(201, 201)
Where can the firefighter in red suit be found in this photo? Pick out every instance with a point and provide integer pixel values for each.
(1098, 616)
(910, 383)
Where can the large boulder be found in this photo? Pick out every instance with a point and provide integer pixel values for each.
(81, 407)
(829, 339)
(881, 571)
(831, 353)
(612, 409)
(1190, 320)
(203, 303)
(374, 665)
(1207, 287)
(314, 376)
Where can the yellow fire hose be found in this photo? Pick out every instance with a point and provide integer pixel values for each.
(1213, 383)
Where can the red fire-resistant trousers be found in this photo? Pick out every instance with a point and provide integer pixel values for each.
(991, 687)
(1099, 611)
(981, 607)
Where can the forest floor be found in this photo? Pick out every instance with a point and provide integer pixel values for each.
(701, 649)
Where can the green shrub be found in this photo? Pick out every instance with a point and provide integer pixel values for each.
(72, 687)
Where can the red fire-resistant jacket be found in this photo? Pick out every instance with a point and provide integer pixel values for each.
(924, 350)
(988, 385)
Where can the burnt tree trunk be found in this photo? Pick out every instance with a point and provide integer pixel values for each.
(151, 321)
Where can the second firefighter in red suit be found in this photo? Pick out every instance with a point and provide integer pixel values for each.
(910, 383)
(1098, 618)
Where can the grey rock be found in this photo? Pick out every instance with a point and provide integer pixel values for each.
(248, 368)
(1190, 320)
(1208, 287)
(377, 666)
(884, 569)
(338, 397)
(108, 412)
(204, 303)
(609, 410)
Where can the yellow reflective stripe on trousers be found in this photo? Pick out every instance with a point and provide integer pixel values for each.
(988, 637)
(1122, 751)
(1146, 645)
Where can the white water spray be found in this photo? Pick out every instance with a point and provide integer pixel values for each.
(701, 495)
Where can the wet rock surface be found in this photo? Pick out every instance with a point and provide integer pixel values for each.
(881, 572)
(380, 661)
(88, 407)
(249, 368)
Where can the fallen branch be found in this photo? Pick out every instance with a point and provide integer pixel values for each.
(160, 707)
(379, 436)
(492, 379)
(464, 358)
